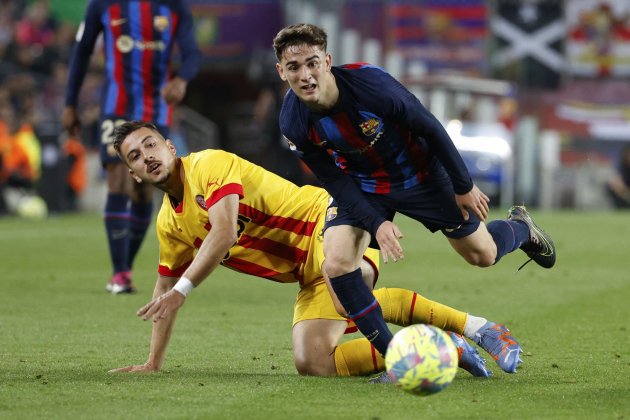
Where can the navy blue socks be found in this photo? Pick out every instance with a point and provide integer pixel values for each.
(117, 228)
(140, 219)
(362, 308)
(509, 235)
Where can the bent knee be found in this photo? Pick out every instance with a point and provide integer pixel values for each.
(336, 267)
(480, 259)
(310, 367)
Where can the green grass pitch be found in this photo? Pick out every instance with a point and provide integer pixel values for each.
(230, 356)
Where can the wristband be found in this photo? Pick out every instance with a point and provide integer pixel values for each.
(183, 286)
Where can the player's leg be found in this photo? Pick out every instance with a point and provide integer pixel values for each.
(478, 248)
(116, 215)
(140, 216)
(317, 332)
(486, 245)
(117, 226)
(434, 205)
(344, 246)
(314, 344)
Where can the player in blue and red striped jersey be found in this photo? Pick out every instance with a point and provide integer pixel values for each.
(379, 152)
(138, 37)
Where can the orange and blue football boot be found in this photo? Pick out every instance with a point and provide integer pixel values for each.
(469, 358)
(497, 341)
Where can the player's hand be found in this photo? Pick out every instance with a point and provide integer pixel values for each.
(70, 121)
(475, 201)
(147, 367)
(162, 306)
(387, 236)
(174, 90)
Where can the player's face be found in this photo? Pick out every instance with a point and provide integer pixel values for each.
(307, 70)
(150, 158)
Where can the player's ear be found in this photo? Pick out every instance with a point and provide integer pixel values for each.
(134, 176)
(328, 61)
(281, 72)
(171, 146)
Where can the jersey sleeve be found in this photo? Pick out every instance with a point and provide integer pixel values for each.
(218, 174)
(86, 37)
(185, 39)
(395, 101)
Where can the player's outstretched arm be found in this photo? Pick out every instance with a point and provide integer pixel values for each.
(223, 216)
(160, 335)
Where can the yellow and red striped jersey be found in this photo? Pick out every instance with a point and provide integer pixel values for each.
(279, 223)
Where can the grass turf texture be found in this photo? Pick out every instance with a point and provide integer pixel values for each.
(230, 355)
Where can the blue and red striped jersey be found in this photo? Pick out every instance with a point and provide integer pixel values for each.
(378, 134)
(138, 37)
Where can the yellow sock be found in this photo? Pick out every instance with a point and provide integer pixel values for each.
(405, 307)
(357, 358)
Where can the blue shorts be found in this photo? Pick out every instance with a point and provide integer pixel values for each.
(432, 203)
(106, 135)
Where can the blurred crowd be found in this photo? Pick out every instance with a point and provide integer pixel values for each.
(37, 159)
(34, 51)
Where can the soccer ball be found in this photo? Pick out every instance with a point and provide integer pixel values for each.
(421, 359)
(32, 207)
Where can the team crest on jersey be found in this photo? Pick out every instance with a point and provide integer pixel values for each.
(369, 127)
(201, 201)
(331, 213)
(160, 23)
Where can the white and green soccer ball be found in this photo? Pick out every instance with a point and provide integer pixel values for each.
(32, 207)
(421, 359)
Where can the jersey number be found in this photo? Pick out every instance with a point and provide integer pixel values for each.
(240, 222)
(107, 130)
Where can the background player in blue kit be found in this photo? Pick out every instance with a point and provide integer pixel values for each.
(378, 151)
(139, 36)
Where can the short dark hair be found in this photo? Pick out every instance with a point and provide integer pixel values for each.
(299, 34)
(122, 131)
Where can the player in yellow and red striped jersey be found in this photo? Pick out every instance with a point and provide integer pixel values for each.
(221, 209)
(275, 228)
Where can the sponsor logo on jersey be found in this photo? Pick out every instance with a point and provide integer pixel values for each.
(369, 127)
(201, 202)
(124, 43)
(160, 23)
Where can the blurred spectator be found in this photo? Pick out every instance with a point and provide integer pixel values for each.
(619, 185)
(37, 27)
(76, 180)
(26, 140)
(18, 154)
(34, 35)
